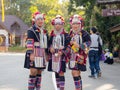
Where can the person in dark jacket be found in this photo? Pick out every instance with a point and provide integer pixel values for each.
(35, 58)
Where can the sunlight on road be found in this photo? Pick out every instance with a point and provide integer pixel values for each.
(103, 87)
(86, 85)
(106, 87)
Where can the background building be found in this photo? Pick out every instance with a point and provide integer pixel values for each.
(12, 32)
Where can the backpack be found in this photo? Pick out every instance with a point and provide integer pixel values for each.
(99, 46)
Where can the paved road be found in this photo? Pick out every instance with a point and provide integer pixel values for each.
(14, 77)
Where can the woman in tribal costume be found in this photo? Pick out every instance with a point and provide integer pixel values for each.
(37, 38)
(58, 42)
(80, 41)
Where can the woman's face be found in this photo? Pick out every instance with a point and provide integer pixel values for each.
(58, 27)
(76, 26)
(39, 22)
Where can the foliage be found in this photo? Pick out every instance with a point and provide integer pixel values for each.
(88, 9)
(93, 17)
(25, 8)
(16, 49)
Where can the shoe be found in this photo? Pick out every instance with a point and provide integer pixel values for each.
(99, 74)
(96, 76)
(91, 76)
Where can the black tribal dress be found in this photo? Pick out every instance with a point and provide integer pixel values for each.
(37, 43)
(59, 43)
(77, 55)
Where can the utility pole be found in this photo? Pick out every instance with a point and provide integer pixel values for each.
(3, 12)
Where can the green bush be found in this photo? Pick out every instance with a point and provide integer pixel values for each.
(16, 49)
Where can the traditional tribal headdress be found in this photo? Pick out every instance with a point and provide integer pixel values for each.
(76, 19)
(36, 16)
(58, 20)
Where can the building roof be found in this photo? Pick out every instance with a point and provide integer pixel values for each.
(108, 1)
(115, 28)
(10, 20)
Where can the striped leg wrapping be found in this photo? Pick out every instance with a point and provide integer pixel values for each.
(62, 82)
(31, 83)
(78, 83)
(38, 82)
(57, 80)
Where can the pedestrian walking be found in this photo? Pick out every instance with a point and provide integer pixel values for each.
(58, 43)
(35, 58)
(80, 41)
(94, 53)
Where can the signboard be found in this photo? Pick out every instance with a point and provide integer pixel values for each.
(110, 12)
(108, 1)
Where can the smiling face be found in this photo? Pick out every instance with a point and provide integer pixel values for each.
(58, 27)
(76, 26)
(39, 22)
(58, 24)
(76, 23)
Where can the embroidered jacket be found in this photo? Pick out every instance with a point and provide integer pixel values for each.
(65, 39)
(84, 42)
(37, 43)
(33, 36)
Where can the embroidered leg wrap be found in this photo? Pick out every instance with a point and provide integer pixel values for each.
(38, 82)
(57, 80)
(62, 82)
(78, 83)
(31, 82)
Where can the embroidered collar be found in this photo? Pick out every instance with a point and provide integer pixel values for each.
(72, 33)
(38, 29)
(53, 33)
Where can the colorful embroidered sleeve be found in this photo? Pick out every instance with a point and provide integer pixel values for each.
(30, 44)
(30, 41)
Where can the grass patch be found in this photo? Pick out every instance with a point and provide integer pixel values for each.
(16, 49)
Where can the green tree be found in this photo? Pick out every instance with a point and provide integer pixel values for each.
(25, 8)
(93, 17)
(19, 8)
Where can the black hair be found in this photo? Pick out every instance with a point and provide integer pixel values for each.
(94, 29)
